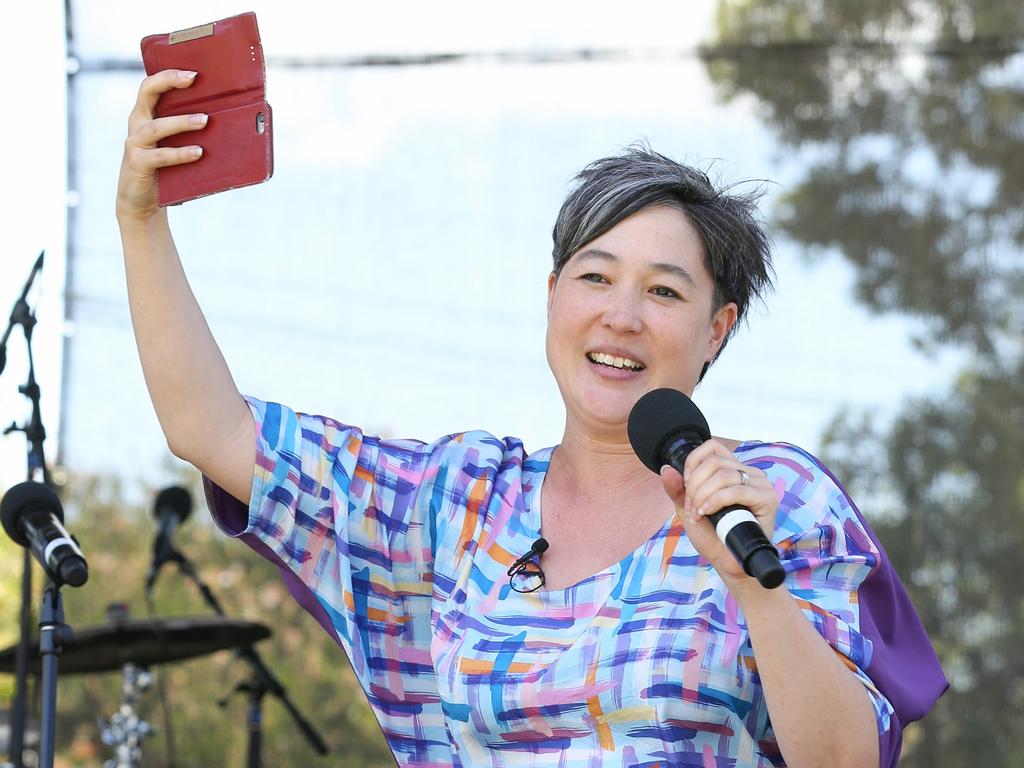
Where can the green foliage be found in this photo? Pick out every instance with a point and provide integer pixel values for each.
(953, 523)
(907, 117)
(308, 663)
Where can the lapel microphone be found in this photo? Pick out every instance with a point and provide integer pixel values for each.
(538, 548)
(526, 568)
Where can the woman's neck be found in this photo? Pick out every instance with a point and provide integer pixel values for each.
(599, 466)
(602, 465)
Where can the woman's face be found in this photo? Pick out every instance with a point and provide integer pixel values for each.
(631, 312)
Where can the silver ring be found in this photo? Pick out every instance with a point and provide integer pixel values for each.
(744, 477)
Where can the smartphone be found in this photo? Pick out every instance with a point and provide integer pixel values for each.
(230, 87)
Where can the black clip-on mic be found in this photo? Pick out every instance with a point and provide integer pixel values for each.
(538, 548)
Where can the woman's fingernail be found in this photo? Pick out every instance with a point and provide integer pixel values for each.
(196, 151)
(702, 511)
(186, 75)
(199, 119)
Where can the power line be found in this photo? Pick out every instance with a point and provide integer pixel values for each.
(993, 45)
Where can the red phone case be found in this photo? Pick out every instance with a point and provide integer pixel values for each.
(237, 142)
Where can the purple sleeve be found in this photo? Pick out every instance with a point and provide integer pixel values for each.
(903, 663)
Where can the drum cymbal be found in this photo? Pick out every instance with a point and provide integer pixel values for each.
(144, 642)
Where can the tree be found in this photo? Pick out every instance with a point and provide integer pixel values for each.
(907, 118)
(915, 173)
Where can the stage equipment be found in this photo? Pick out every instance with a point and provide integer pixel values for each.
(261, 680)
(22, 315)
(172, 507)
(33, 517)
(31, 732)
(125, 730)
(110, 646)
(132, 646)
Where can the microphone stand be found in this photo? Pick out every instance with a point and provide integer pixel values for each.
(261, 681)
(53, 632)
(22, 315)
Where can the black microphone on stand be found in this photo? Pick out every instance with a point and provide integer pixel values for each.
(171, 508)
(33, 517)
(664, 427)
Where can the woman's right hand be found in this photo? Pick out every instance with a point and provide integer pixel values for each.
(136, 186)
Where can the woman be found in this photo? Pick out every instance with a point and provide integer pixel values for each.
(647, 644)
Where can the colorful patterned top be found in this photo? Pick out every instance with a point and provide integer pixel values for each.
(400, 549)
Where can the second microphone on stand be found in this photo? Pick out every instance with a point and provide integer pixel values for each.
(172, 507)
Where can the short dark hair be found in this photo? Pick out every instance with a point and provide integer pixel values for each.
(737, 251)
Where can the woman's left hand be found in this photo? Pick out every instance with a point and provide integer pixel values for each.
(715, 478)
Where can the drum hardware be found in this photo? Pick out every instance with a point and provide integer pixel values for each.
(261, 680)
(125, 730)
(31, 737)
(131, 646)
(110, 646)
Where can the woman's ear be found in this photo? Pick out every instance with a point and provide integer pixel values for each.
(722, 322)
(552, 279)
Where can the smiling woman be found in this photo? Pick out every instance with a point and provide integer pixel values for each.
(638, 292)
(647, 644)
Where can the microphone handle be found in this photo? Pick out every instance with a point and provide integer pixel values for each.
(744, 537)
(736, 527)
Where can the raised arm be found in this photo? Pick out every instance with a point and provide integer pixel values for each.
(204, 418)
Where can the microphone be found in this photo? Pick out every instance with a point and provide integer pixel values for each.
(525, 565)
(664, 427)
(33, 517)
(538, 548)
(171, 508)
(21, 314)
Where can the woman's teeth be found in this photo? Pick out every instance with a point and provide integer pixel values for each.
(615, 362)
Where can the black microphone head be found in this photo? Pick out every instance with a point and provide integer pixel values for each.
(73, 571)
(540, 546)
(659, 417)
(176, 500)
(27, 497)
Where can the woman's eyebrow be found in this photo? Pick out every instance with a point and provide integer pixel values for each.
(658, 266)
